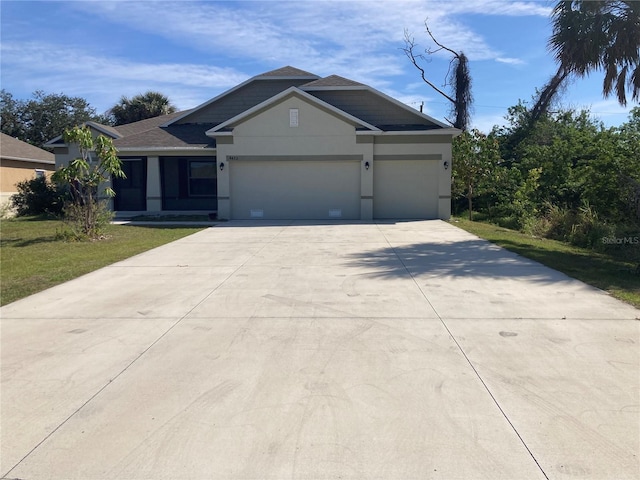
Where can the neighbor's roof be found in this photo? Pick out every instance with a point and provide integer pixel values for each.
(14, 149)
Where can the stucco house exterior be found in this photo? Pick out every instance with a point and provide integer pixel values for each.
(286, 144)
(21, 161)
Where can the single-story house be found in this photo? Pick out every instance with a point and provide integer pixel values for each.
(286, 144)
(20, 161)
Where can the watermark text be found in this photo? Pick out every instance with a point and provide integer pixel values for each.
(621, 240)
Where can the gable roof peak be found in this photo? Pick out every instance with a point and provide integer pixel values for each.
(288, 71)
(334, 81)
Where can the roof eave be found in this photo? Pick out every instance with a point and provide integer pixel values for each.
(31, 160)
(434, 131)
(167, 149)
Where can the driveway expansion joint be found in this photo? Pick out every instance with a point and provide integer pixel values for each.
(477, 374)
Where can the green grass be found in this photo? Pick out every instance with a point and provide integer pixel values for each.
(33, 259)
(610, 272)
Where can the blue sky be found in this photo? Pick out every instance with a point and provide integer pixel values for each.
(193, 51)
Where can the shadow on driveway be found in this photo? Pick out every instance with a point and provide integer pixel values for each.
(461, 258)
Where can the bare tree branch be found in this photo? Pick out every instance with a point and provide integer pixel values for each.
(442, 47)
(458, 77)
(409, 50)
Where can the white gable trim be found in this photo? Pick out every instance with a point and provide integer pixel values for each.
(280, 96)
(96, 126)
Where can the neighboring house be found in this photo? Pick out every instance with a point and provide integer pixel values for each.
(21, 161)
(286, 144)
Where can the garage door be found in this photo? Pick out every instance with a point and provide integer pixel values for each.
(293, 189)
(405, 189)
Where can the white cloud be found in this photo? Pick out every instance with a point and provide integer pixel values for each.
(99, 78)
(360, 40)
(325, 37)
(510, 61)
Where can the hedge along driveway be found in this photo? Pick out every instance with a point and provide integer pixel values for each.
(257, 350)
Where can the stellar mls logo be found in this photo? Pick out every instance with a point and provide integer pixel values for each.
(621, 240)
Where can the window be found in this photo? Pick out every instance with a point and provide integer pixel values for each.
(202, 178)
(40, 173)
(293, 117)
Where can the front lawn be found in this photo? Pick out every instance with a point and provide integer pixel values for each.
(32, 257)
(613, 272)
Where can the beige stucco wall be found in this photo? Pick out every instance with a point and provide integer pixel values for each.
(13, 172)
(16, 171)
(320, 136)
(325, 136)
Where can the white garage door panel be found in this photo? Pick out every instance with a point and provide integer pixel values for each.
(405, 189)
(306, 190)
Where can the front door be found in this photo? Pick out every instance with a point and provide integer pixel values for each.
(131, 192)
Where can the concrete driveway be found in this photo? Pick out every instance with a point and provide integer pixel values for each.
(407, 350)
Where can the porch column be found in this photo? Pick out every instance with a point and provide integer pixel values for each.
(154, 192)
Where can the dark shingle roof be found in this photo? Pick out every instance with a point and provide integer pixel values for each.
(287, 71)
(365, 105)
(14, 149)
(174, 136)
(147, 124)
(333, 81)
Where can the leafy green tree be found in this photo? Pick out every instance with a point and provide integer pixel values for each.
(590, 36)
(475, 161)
(140, 107)
(84, 176)
(43, 117)
(575, 178)
(10, 122)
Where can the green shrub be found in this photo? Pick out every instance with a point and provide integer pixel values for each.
(85, 222)
(38, 196)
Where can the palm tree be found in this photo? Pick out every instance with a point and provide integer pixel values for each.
(595, 35)
(140, 107)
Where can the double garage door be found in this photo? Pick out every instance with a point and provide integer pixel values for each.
(295, 189)
(316, 190)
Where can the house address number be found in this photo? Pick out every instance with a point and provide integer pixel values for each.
(232, 157)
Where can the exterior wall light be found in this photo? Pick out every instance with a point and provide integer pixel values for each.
(221, 166)
(366, 165)
(446, 165)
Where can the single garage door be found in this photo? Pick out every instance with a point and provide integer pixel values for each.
(295, 190)
(405, 189)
